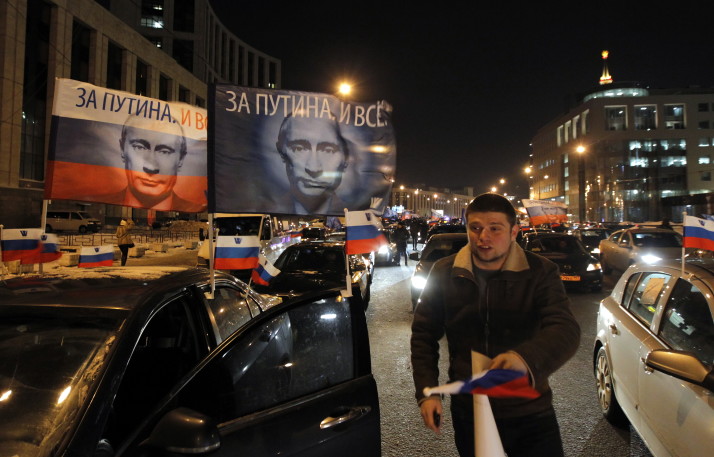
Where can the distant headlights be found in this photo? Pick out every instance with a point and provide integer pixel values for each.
(418, 282)
(650, 259)
(596, 251)
(383, 249)
(594, 266)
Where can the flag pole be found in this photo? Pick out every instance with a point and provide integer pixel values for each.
(211, 256)
(43, 226)
(348, 280)
(2, 265)
(684, 229)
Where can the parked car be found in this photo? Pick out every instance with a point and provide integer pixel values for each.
(639, 244)
(653, 356)
(445, 228)
(151, 366)
(74, 221)
(438, 246)
(370, 257)
(314, 265)
(387, 253)
(314, 233)
(591, 237)
(577, 267)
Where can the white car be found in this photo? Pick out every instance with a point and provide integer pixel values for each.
(653, 356)
(638, 244)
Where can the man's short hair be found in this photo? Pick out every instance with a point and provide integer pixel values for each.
(492, 202)
(133, 118)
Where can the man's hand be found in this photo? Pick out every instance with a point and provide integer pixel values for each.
(509, 361)
(430, 410)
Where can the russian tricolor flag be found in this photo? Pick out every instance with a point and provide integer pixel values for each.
(96, 256)
(264, 272)
(21, 244)
(236, 252)
(698, 233)
(497, 383)
(362, 232)
(50, 248)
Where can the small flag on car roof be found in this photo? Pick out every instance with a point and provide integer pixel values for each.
(698, 233)
(362, 233)
(236, 252)
(264, 272)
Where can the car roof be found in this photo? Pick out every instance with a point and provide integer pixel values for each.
(450, 235)
(103, 288)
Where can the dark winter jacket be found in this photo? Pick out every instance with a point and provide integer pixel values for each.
(526, 310)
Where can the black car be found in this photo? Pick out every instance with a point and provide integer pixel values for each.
(590, 237)
(315, 265)
(438, 246)
(445, 228)
(577, 267)
(173, 363)
(387, 253)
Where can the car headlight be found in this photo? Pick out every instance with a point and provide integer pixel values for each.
(383, 249)
(418, 282)
(651, 258)
(594, 266)
(596, 251)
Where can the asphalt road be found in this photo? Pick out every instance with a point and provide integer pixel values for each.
(585, 432)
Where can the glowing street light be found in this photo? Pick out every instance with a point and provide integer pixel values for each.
(345, 89)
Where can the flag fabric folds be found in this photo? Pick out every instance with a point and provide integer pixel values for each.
(496, 383)
(698, 233)
(362, 232)
(21, 244)
(264, 272)
(50, 248)
(236, 252)
(96, 256)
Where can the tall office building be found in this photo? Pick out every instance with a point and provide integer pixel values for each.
(627, 152)
(165, 49)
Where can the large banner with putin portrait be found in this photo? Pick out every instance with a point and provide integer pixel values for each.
(290, 152)
(109, 146)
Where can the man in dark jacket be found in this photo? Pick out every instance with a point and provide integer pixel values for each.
(400, 238)
(496, 299)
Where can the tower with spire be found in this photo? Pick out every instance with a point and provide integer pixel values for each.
(605, 78)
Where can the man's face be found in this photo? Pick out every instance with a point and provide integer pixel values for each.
(314, 157)
(152, 160)
(490, 237)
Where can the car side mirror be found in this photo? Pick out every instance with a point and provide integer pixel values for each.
(186, 431)
(682, 365)
(413, 256)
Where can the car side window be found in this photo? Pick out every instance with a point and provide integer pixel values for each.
(301, 351)
(645, 297)
(625, 240)
(687, 323)
(630, 288)
(228, 311)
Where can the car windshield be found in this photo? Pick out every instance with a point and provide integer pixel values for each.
(49, 360)
(442, 248)
(312, 258)
(238, 226)
(658, 240)
(555, 244)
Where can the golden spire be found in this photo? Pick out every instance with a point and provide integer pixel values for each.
(605, 78)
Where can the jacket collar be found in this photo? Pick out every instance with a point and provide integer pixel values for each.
(515, 260)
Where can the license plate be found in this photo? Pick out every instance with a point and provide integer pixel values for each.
(569, 278)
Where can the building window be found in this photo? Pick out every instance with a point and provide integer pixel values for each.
(703, 124)
(80, 52)
(272, 75)
(615, 117)
(142, 78)
(674, 116)
(114, 66)
(568, 127)
(34, 91)
(164, 88)
(566, 172)
(703, 107)
(704, 160)
(152, 14)
(704, 142)
(705, 175)
(645, 117)
(251, 69)
(156, 41)
(184, 95)
(183, 15)
(576, 123)
(183, 53)
(201, 103)
(559, 133)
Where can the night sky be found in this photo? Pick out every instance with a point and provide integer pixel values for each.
(471, 85)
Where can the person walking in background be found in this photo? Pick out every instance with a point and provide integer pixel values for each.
(400, 237)
(510, 305)
(415, 229)
(124, 239)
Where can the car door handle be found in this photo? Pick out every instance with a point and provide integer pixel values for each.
(614, 330)
(352, 414)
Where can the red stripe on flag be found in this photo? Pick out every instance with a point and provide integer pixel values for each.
(236, 264)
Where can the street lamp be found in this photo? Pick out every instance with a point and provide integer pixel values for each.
(345, 89)
(581, 182)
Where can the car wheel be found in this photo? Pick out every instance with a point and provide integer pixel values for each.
(605, 392)
(82, 229)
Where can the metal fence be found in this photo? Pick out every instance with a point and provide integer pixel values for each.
(140, 236)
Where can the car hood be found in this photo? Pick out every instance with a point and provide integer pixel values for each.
(304, 281)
